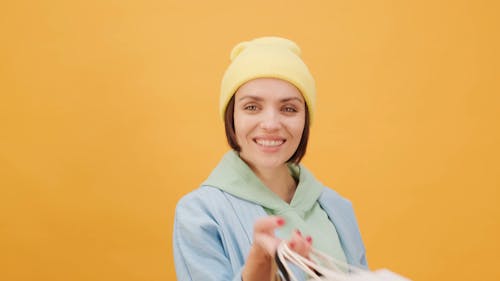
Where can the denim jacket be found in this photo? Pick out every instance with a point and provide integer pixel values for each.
(213, 233)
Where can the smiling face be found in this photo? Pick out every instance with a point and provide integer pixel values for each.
(269, 118)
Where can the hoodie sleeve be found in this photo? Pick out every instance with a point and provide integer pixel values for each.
(199, 253)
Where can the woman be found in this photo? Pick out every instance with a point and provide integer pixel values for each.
(259, 194)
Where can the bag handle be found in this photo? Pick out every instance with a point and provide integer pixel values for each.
(330, 269)
(313, 269)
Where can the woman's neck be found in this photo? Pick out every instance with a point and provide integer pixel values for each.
(279, 180)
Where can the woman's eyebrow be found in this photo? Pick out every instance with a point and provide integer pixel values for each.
(291, 99)
(251, 98)
(257, 98)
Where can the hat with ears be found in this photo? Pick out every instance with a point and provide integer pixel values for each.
(267, 57)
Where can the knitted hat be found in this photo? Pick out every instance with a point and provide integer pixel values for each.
(267, 57)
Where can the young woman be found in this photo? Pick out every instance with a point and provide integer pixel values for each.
(259, 194)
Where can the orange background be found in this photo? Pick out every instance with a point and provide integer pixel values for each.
(108, 115)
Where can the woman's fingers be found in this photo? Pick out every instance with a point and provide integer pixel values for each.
(268, 224)
(266, 241)
(300, 244)
(264, 236)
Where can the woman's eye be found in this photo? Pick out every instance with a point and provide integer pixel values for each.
(289, 109)
(251, 107)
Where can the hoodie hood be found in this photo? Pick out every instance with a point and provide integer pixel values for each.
(234, 176)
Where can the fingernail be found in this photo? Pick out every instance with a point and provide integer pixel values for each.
(309, 239)
(298, 232)
(280, 221)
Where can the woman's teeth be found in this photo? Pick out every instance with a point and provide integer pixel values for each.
(270, 142)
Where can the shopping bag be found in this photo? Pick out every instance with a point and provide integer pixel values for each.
(321, 267)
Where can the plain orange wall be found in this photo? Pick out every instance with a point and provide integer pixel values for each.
(108, 115)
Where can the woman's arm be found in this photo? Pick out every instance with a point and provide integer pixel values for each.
(200, 254)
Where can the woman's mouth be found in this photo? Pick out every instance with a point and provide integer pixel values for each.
(270, 142)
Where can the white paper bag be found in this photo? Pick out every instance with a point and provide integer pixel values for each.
(322, 267)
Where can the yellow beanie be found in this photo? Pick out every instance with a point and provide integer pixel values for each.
(267, 57)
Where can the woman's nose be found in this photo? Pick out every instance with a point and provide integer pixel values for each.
(270, 120)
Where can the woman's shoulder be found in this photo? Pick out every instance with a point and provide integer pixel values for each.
(330, 193)
(330, 196)
(202, 192)
(214, 203)
(202, 197)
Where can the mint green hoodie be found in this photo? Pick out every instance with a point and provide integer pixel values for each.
(304, 213)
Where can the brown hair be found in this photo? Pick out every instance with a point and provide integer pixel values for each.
(231, 134)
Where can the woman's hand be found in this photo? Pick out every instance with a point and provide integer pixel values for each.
(260, 263)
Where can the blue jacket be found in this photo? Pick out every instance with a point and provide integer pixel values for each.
(213, 233)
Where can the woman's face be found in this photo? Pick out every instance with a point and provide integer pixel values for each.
(269, 118)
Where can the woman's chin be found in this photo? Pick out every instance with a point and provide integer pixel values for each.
(266, 161)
